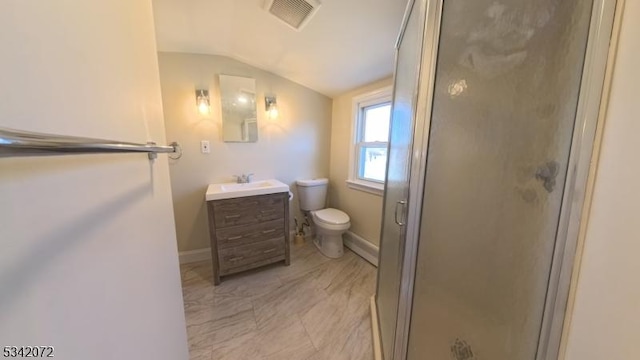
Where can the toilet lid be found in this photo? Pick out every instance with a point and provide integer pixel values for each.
(332, 216)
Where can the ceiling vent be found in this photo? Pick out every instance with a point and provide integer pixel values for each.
(295, 13)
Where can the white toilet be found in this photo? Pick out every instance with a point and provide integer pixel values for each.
(327, 224)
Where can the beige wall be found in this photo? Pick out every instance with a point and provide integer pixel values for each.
(88, 261)
(364, 209)
(295, 146)
(605, 323)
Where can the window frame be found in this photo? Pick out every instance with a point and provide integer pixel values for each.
(360, 103)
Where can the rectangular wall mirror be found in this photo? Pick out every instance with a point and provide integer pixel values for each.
(238, 103)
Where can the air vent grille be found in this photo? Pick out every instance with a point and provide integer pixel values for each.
(295, 13)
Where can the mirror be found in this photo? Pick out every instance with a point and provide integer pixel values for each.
(238, 104)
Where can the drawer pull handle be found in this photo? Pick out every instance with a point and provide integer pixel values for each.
(268, 231)
(232, 216)
(234, 237)
(267, 211)
(269, 251)
(237, 258)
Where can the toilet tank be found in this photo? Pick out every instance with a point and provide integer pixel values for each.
(312, 193)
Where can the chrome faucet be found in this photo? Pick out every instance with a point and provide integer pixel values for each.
(244, 178)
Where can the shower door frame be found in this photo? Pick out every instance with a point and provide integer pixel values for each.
(588, 118)
(426, 83)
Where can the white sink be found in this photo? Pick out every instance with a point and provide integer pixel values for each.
(233, 190)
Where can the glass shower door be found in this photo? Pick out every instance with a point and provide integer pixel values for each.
(504, 105)
(398, 167)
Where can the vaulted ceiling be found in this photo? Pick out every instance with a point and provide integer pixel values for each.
(347, 43)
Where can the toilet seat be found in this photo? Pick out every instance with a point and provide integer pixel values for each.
(331, 216)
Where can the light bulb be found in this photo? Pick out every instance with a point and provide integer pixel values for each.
(271, 106)
(273, 112)
(202, 102)
(203, 107)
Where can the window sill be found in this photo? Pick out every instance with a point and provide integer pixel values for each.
(366, 187)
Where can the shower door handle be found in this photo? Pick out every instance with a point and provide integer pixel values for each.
(398, 204)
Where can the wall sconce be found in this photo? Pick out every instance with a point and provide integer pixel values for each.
(271, 106)
(203, 102)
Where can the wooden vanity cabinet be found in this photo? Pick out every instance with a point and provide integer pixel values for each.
(248, 232)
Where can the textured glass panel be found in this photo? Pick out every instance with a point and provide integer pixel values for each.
(507, 83)
(397, 181)
(373, 163)
(376, 123)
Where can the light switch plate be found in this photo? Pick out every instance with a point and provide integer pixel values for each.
(205, 148)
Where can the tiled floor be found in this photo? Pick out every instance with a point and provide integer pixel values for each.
(315, 309)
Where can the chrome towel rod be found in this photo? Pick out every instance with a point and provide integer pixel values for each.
(25, 143)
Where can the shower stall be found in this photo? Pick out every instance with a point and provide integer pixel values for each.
(494, 114)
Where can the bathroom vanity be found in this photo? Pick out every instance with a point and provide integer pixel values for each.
(247, 231)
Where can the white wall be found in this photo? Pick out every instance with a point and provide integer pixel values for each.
(364, 209)
(293, 146)
(88, 262)
(605, 323)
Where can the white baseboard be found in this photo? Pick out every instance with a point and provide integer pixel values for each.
(356, 243)
(362, 247)
(192, 256)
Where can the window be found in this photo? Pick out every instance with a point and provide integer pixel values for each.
(371, 117)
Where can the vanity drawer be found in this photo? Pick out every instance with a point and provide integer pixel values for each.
(249, 234)
(242, 211)
(249, 256)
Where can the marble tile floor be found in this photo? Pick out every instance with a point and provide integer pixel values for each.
(315, 309)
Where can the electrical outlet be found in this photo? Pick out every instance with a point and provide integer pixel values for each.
(205, 147)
